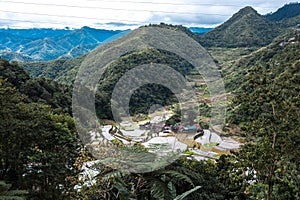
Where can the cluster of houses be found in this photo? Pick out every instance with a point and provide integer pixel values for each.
(176, 128)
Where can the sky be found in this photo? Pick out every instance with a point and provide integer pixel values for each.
(124, 14)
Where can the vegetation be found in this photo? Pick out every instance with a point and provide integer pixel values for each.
(147, 95)
(287, 11)
(244, 29)
(61, 70)
(6, 193)
(38, 144)
(266, 107)
(277, 56)
(41, 156)
(41, 90)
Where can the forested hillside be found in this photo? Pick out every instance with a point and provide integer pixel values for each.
(287, 11)
(39, 142)
(39, 90)
(266, 107)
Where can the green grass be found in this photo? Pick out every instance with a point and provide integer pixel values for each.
(211, 144)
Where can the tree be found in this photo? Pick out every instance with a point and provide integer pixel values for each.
(7, 194)
(38, 145)
(270, 100)
(183, 178)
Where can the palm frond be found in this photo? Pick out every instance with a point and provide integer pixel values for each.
(116, 175)
(185, 194)
(159, 189)
(177, 176)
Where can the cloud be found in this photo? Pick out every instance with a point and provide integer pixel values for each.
(124, 13)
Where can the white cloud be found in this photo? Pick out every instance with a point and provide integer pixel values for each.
(131, 13)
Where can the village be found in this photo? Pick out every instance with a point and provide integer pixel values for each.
(158, 138)
(156, 130)
(192, 141)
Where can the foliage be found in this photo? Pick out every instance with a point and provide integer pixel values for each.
(279, 53)
(38, 145)
(7, 194)
(40, 90)
(267, 104)
(40, 151)
(61, 70)
(180, 180)
(146, 96)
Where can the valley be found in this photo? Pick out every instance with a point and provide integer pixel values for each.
(167, 143)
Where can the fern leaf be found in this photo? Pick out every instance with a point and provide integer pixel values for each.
(178, 176)
(185, 194)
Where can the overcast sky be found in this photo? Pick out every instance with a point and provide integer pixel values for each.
(123, 14)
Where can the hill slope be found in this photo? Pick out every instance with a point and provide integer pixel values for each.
(279, 56)
(39, 90)
(244, 29)
(285, 12)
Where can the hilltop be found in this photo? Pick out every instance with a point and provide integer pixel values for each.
(287, 11)
(64, 70)
(244, 29)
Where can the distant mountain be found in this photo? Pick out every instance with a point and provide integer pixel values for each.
(246, 28)
(50, 44)
(12, 42)
(287, 11)
(199, 30)
(36, 33)
(10, 55)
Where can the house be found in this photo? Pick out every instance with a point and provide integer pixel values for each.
(145, 126)
(157, 126)
(196, 128)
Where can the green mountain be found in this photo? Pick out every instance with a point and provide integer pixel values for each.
(246, 28)
(290, 22)
(287, 17)
(287, 11)
(40, 151)
(64, 70)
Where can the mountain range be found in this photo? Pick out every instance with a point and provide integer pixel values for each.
(246, 28)
(44, 44)
(50, 44)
